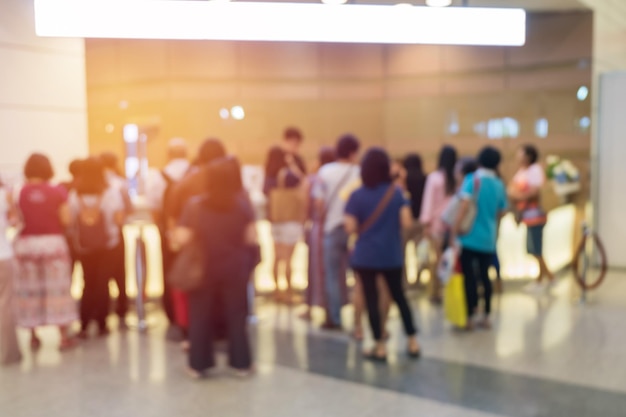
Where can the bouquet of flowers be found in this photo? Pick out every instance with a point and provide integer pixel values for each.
(564, 175)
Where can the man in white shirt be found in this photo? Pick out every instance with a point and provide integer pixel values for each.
(158, 184)
(156, 181)
(331, 199)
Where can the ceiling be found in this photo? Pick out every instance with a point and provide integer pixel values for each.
(536, 5)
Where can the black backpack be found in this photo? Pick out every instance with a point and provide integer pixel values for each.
(90, 228)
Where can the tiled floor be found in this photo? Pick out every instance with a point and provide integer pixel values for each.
(547, 356)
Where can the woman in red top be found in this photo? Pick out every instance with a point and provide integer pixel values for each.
(44, 270)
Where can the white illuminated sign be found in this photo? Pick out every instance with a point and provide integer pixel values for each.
(304, 22)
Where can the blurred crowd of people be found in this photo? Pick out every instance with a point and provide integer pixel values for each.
(354, 210)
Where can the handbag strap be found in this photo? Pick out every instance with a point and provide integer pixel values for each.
(332, 196)
(378, 211)
(476, 187)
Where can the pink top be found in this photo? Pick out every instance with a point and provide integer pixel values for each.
(434, 203)
(39, 204)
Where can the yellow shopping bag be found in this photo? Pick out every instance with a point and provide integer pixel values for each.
(455, 305)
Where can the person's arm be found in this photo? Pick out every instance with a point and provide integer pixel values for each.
(155, 188)
(119, 217)
(293, 166)
(352, 213)
(466, 193)
(13, 213)
(65, 215)
(318, 193)
(128, 204)
(183, 232)
(406, 217)
(426, 213)
(181, 236)
(351, 224)
(530, 193)
(251, 237)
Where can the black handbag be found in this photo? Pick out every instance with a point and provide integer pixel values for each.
(187, 270)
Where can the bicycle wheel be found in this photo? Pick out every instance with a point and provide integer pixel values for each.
(589, 246)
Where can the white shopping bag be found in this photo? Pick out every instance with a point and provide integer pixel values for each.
(445, 269)
(423, 252)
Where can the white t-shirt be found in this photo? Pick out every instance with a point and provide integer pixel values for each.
(6, 252)
(334, 178)
(156, 184)
(531, 177)
(110, 203)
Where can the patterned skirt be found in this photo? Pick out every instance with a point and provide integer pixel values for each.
(43, 282)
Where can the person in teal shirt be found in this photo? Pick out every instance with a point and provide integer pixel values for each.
(478, 246)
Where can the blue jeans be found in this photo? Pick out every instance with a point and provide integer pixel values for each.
(335, 260)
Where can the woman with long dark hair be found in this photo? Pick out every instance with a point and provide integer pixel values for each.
(285, 171)
(97, 213)
(378, 212)
(439, 189)
(414, 183)
(223, 223)
(193, 184)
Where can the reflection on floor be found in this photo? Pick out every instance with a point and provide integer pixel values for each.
(546, 356)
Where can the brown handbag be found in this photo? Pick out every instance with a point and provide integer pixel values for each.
(287, 204)
(187, 270)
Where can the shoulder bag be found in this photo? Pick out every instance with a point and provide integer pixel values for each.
(378, 211)
(287, 204)
(187, 270)
(451, 212)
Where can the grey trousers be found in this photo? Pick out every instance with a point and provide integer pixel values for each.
(9, 349)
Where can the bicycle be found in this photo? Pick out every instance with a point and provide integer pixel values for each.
(590, 246)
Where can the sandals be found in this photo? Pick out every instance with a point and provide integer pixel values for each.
(485, 324)
(67, 344)
(185, 345)
(414, 354)
(357, 335)
(193, 374)
(372, 356)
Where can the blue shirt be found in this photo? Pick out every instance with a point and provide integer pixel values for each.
(380, 246)
(491, 200)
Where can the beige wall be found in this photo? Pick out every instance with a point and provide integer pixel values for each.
(42, 93)
(397, 96)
